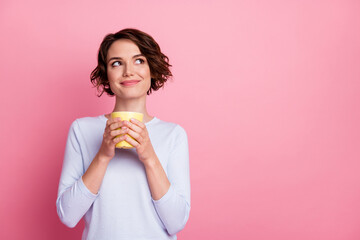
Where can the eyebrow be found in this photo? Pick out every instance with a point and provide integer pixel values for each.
(119, 58)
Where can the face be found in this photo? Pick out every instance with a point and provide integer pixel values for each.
(128, 71)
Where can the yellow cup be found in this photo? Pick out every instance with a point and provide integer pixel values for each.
(126, 116)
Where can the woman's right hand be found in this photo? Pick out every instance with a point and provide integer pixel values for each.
(107, 149)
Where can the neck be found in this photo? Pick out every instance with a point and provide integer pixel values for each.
(132, 105)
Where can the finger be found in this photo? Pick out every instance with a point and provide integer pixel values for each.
(107, 126)
(118, 132)
(108, 122)
(116, 125)
(111, 120)
(131, 141)
(135, 135)
(132, 126)
(138, 123)
(118, 139)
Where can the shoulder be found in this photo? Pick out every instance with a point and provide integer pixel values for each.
(174, 138)
(170, 128)
(84, 123)
(91, 120)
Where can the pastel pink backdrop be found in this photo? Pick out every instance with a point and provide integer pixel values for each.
(268, 92)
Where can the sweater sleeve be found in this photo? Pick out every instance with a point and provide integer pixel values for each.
(174, 207)
(74, 198)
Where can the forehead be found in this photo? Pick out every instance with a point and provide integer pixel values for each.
(123, 48)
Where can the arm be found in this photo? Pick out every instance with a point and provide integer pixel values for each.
(170, 193)
(174, 207)
(78, 190)
(158, 182)
(74, 199)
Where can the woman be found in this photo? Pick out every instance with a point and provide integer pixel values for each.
(139, 193)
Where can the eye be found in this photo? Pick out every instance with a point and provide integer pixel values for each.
(139, 61)
(116, 64)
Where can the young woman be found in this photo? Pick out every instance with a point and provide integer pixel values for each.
(138, 193)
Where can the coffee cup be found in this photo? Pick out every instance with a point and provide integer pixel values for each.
(126, 116)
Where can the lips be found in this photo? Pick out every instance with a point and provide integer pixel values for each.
(129, 82)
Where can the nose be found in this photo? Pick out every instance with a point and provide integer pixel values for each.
(128, 70)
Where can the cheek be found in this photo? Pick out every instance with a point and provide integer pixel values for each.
(111, 74)
(145, 72)
(148, 77)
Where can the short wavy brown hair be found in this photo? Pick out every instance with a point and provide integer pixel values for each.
(158, 62)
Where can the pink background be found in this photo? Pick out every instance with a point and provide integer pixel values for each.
(268, 92)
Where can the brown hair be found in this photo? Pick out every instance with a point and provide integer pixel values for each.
(158, 62)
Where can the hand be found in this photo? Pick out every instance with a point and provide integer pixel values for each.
(107, 149)
(142, 143)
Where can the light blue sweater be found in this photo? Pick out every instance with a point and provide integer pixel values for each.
(123, 208)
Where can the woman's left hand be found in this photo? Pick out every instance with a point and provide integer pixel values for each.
(142, 143)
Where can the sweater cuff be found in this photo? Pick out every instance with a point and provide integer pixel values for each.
(164, 198)
(85, 190)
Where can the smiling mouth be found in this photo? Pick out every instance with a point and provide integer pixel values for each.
(129, 82)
